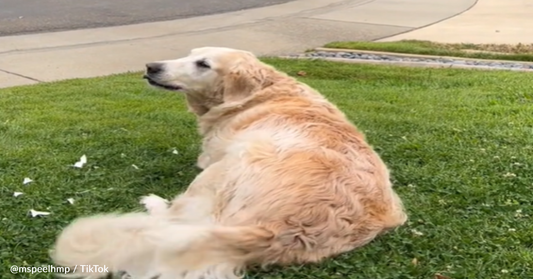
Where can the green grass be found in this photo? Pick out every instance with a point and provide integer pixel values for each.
(519, 52)
(459, 144)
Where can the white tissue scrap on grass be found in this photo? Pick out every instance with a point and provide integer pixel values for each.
(81, 162)
(27, 180)
(135, 167)
(70, 200)
(16, 194)
(35, 213)
(175, 151)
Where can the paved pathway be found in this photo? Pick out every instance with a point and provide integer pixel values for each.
(275, 30)
(22, 16)
(488, 22)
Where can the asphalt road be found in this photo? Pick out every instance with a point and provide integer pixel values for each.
(34, 16)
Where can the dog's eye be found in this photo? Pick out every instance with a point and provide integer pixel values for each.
(202, 64)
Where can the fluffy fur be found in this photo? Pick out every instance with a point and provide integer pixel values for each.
(286, 179)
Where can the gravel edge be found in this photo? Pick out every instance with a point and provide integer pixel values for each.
(411, 60)
(412, 55)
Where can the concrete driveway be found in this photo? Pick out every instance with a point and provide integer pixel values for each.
(488, 22)
(31, 16)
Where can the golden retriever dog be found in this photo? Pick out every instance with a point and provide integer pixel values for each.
(286, 179)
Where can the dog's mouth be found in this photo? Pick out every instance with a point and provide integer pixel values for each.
(152, 82)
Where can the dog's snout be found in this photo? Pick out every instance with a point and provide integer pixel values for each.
(154, 68)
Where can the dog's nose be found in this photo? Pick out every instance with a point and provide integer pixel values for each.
(154, 68)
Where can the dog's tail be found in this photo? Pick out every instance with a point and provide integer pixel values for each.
(146, 246)
(94, 246)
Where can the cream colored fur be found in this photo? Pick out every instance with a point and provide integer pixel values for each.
(286, 179)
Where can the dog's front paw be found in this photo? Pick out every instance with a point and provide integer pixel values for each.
(154, 204)
(203, 161)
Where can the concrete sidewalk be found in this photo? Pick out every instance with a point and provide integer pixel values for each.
(488, 22)
(276, 30)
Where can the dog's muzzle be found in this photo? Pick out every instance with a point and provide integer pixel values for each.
(153, 70)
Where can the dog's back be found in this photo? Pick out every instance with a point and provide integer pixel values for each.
(300, 170)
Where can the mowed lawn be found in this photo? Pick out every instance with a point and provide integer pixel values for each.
(459, 144)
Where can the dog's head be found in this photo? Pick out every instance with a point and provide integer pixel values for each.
(210, 76)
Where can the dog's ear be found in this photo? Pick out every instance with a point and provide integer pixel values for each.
(238, 85)
(246, 77)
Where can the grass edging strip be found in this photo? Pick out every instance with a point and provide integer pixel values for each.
(518, 52)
